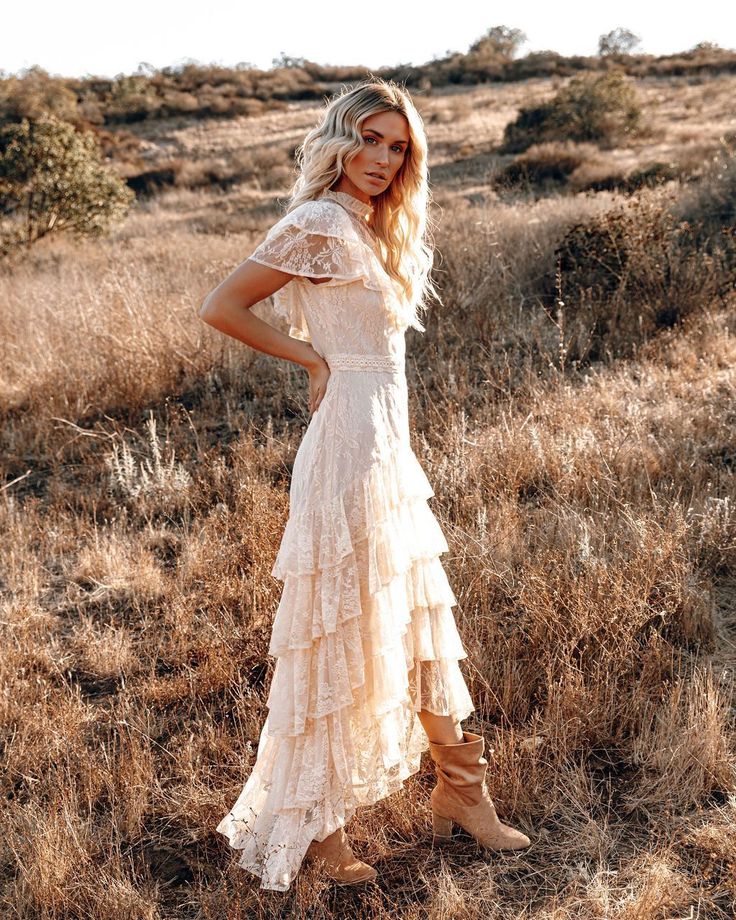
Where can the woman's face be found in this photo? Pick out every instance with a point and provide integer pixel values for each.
(385, 141)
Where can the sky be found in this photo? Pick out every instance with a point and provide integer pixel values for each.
(79, 38)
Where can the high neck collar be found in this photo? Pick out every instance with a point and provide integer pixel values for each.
(362, 208)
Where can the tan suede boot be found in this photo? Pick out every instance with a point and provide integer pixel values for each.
(461, 797)
(338, 860)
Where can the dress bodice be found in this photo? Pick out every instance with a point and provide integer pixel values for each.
(358, 311)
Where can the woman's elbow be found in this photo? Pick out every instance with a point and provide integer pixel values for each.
(208, 310)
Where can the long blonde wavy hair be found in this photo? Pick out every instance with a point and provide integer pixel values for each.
(401, 220)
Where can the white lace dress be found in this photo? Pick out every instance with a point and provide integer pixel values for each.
(364, 635)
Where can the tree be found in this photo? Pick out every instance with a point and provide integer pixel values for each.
(52, 179)
(498, 42)
(285, 60)
(706, 46)
(618, 41)
(35, 93)
(145, 69)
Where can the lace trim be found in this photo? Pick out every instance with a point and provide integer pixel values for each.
(350, 201)
(355, 362)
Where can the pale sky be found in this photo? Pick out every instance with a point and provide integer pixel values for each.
(79, 38)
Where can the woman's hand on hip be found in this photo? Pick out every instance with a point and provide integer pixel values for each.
(319, 374)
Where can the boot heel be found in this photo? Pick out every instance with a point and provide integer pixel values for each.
(441, 827)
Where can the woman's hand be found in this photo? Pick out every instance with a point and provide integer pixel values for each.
(319, 374)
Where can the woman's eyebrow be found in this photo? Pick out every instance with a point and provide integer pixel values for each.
(373, 131)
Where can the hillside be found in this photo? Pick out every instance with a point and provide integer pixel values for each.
(581, 450)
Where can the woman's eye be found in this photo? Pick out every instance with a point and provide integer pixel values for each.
(395, 146)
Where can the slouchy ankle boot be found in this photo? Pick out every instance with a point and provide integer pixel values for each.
(461, 797)
(338, 860)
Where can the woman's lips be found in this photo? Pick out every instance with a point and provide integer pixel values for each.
(375, 178)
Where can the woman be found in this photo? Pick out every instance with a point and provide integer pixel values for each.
(367, 648)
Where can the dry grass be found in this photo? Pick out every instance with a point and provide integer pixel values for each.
(592, 534)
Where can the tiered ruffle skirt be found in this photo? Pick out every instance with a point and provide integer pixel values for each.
(364, 637)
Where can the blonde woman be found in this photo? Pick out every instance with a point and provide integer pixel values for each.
(365, 641)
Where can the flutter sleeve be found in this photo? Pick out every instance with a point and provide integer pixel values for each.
(315, 240)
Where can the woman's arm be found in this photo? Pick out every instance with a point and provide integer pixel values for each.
(227, 309)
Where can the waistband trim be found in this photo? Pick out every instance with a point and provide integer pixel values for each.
(354, 362)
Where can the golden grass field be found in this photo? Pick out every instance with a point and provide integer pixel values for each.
(589, 509)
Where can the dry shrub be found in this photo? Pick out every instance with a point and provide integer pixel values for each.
(265, 170)
(581, 167)
(150, 181)
(597, 175)
(155, 480)
(547, 164)
(710, 203)
(626, 275)
(651, 175)
(682, 745)
(714, 519)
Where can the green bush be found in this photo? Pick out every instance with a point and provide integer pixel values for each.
(52, 179)
(597, 108)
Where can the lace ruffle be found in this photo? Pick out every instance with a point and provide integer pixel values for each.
(376, 507)
(293, 799)
(315, 240)
(317, 605)
(365, 596)
(364, 637)
(365, 664)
